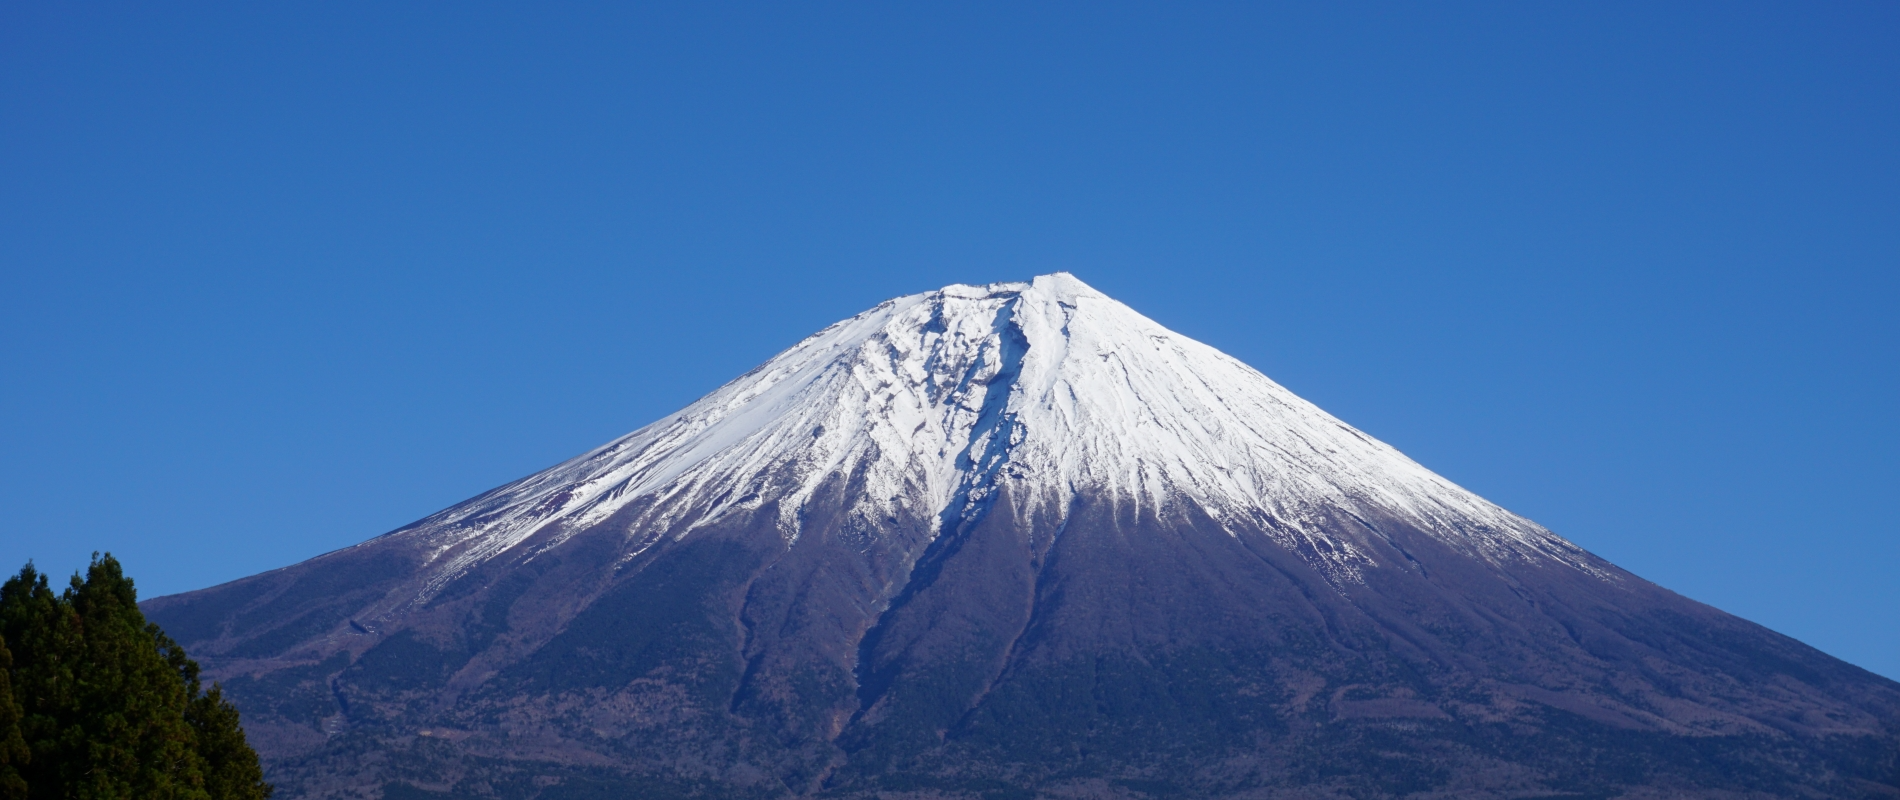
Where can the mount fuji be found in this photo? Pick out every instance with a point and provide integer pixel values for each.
(1011, 541)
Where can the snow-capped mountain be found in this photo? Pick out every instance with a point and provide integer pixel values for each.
(1014, 533)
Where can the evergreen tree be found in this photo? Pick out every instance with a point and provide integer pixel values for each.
(43, 634)
(231, 769)
(111, 708)
(130, 701)
(13, 751)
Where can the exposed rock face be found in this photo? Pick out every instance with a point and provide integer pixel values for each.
(1006, 541)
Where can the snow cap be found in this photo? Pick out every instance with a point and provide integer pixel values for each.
(936, 403)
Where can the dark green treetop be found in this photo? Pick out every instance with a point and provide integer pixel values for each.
(111, 708)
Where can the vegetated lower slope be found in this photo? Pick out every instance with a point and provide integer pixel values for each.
(1012, 541)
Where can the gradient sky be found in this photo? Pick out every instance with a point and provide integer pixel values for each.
(281, 277)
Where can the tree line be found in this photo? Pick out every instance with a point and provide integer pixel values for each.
(98, 704)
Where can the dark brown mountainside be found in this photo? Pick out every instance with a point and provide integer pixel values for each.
(1008, 542)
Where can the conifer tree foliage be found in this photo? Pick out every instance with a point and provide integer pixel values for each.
(13, 750)
(107, 706)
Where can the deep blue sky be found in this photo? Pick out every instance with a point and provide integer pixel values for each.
(277, 279)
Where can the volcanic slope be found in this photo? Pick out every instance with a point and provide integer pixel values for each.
(1011, 540)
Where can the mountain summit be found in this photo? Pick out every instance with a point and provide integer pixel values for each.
(1011, 540)
(930, 405)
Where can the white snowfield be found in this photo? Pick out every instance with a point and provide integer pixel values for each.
(938, 400)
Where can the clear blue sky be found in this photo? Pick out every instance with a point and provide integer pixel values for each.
(281, 277)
